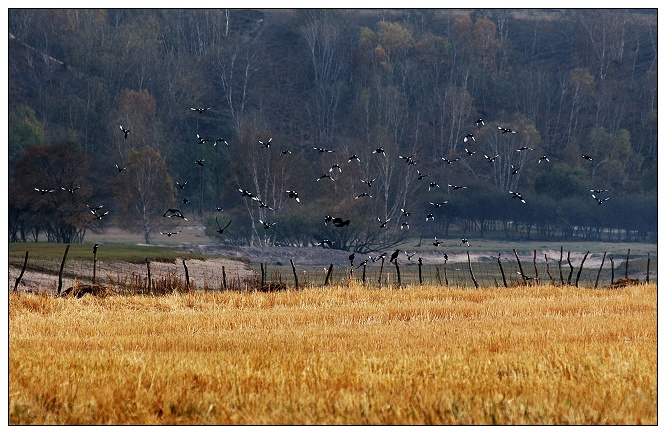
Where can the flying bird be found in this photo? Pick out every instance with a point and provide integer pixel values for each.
(219, 209)
(432, 185)
(200, 109)
(379, 151)
(420, 175)
(479, 123)
(338, 222)
(353, 157)
(285, 152)
(600, 201)
(324, 242)
(44, 190)
(267, 144)
(325, 175)
(517, 195)
(99, 216)
(202, 140)
(94, 209)
(181, 185)
(439, 204)
(524, 148)
(267, 225)
(186, 201)
(409, 159)
(457, 187)
(405, 213)
(430, 216)
(598, 191)
(447, 161)
(120, 169)
(363, 195)
(335, 166)
(544, 158)
(125, 131)
(368, 183)
(587, 157)
(322, 150)
(436, 243)
(174, 212)
(221, 229)
(382, 223)
(469, 136)
(294, 195)
(491, 159)
(470, 152)
(506, 130)
(404, 225)
(246, 193)
(168, 234)
(514, 169)
(464, 241)
(200, 162)
(362, 264)
(220, 140)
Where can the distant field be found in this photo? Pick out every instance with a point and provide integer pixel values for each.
(337, 355)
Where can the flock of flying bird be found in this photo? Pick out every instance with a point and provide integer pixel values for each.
(337, 222)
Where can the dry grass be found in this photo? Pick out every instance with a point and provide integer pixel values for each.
(420, 355)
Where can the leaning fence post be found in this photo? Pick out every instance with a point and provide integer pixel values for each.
(520, 267)
(471, 272)
(548, 268)
(581, 267)
(559, 264)
(187, 276)
(363, 278)
(571, 268)
(25, 264)
(328, 274)
(603, 259)
(294, 271)
(501, 270)
(626, 265)
(224, 278)
(62, 266)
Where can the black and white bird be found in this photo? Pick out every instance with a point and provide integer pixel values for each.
(420, 175)
(94, 209)
(362, 264)
(125, 131)
(469, 136)
(383, 223)
(449, 161)
(479, 123)
(436, 243)
(464, 241)
(220, 140)
(368, 182)
(430, 216)
(219, 209)
(363, 195)
(517, 195)
(524, 148)
(181, 185)
(44, 190)
(324, 242)
(174, 212)
(507, 130)
(409, 257)
(200, 162)
(587, 157)
(600, 201)
(544, 158)
(267, 144)
(457, 187)
(185, 201)
(378, 257)
(470, 153)
(294, 195)
(405, 213)
(200, 109)
(335, 166)
(202, 140)
(404, 225)
(514, 170)
(168, 234)
(99, 216)
(327, 219)
(325, 175)
(379, 151)
(409, 159)
(599, 191)
(262, 204)
(432, 185)
(491, 159)
(439, 204)
(120, 169)
(285, 152)
(246, 193)
(353, 157)
(267, 225)
(322, 150)
(220, 229)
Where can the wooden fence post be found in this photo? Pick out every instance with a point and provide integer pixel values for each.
(603, 259)
(94, 279)
(499, 262)
(328, 275)
(548, 268)
(363, 278)
(421, 276)
(263, 274)
(25, 264)
(647, 276)
(62, 266)
(397, 270)
(150, 281)
(612, 270)
(536, 271)
(471, 272)
(520, 267)
(381, 269)
(293, 269)
(559, 264)
(626, 265)
(224, 278)
(187, 276)
(446, 274)
(581, 267)
(571, 268)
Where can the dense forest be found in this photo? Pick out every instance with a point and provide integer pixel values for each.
(118, 115)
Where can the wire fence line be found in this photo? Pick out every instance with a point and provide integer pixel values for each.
(53, 276)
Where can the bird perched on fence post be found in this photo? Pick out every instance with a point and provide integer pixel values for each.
(394, 256)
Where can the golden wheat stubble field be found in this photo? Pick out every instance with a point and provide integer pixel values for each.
(337, 355)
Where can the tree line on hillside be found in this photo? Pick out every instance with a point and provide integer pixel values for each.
(411, 82)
